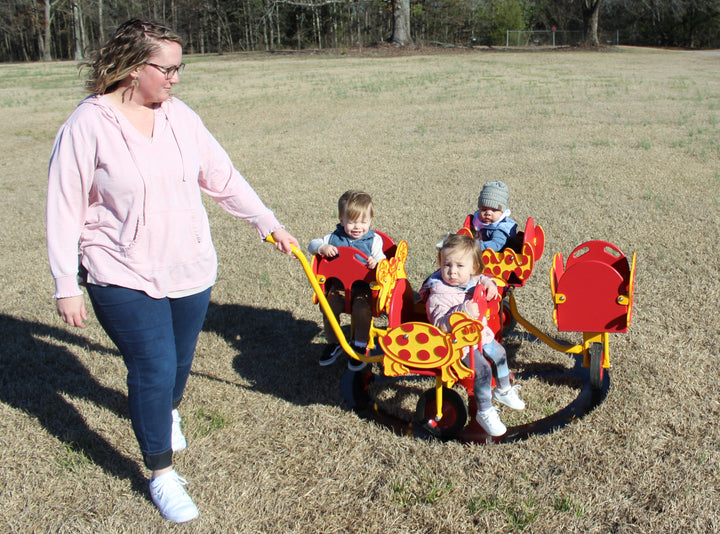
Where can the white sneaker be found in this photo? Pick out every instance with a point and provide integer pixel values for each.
(178, 440)
(490, 422)
(169, 496)
(509, 397)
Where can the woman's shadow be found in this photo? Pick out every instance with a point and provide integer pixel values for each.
(276, 353)
(35, 377)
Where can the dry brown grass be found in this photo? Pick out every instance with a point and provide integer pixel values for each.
(621, 146)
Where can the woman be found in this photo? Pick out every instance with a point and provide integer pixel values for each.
(125, 177)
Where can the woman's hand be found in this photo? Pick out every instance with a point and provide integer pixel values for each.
(284, 241)
(72, 310)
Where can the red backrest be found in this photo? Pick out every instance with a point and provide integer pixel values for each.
(601, 251)
(587, 291)
(348, 267)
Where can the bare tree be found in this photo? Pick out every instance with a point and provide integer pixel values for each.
(78, 30)
(401, 23)
(591, 14)
(63, 29)
(49, 14)
(101, 26)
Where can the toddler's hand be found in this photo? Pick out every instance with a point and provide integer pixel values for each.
(329, 251)
(371, 262)
(472, 309)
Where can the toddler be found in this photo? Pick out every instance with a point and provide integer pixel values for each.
(355, 210)
(492, 226)
(449, 290)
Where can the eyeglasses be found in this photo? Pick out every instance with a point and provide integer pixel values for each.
(169, 72)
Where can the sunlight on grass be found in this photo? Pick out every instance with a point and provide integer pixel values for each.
(592, 146)
(518, 516)
(208, 422)
(424, 489)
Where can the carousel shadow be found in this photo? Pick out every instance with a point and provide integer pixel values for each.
(37, 375)
(355, 389)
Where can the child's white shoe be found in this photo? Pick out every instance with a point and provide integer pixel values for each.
(509, 397)
(490, 422)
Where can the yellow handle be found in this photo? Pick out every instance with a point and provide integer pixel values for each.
(323, 302)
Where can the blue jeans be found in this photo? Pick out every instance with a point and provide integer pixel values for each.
(157, 339)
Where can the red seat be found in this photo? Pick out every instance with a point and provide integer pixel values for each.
(594, 291)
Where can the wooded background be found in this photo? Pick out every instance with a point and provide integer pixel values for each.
(68, 29)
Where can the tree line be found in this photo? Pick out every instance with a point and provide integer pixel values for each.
(68, 29)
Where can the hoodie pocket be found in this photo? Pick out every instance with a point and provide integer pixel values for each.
(170, 238)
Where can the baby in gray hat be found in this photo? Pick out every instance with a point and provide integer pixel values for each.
(492, 226)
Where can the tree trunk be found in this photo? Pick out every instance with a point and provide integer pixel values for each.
(101, 26)
(318, 27)
(219, 26)
(591, 14)
(38, 29)
(401, 23)
(277, 25)
(78, 31)
(48, 18)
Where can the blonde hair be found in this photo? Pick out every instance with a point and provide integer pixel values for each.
(131, 45)
(463, 244)
(353, 204)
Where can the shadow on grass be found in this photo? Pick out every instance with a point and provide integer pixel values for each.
(35, 376)
(356, 389)
(275, 353)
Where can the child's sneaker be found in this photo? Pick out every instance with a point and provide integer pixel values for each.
(509, 397)
(490, 422)
(330, 354)
(357, 365)
(178, 440)
(171, 499)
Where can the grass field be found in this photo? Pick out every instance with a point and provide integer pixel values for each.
(621, 145)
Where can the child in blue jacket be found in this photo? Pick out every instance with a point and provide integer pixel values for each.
(491, 224)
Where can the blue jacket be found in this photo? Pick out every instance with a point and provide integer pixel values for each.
(496, 236)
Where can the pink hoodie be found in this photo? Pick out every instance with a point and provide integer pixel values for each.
(442, 300)
(129, 208)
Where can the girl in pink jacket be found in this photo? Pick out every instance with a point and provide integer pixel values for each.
(125, 215)
(450, 290)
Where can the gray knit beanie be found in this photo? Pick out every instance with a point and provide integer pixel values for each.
(494, 195)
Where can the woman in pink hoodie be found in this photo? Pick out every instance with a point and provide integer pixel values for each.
(125, 216)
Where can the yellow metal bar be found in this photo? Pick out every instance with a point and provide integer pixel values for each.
(325, 305)
(606, 350)
(568, 349)
(438, 398)
(596, 337)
